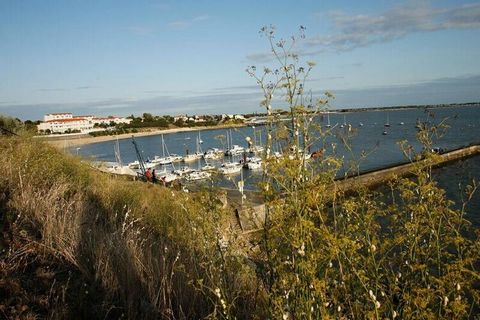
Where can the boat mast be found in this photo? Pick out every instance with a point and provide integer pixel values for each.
(163, 147)
(117, 153)
(141, 163)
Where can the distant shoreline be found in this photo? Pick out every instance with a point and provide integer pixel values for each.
(76, 141)
(79, 140)
(410, 107)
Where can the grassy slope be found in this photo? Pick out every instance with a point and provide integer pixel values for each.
(82, 244)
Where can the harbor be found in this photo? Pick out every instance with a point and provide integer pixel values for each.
(362, 131)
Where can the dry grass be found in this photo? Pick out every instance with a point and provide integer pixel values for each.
(129, 245)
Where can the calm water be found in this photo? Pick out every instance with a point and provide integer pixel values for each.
(464, 129)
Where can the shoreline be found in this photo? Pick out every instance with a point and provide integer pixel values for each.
(79, 140)
(82, 140)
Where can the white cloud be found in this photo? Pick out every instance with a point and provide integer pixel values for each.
(352, 31)
(184, 24)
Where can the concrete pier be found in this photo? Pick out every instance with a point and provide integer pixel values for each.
(378, 177)
(249, 217)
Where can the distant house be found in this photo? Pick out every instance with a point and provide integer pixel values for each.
(66, 122)
(182, 117)
(232, 116)
(198, 118)
(108, 120)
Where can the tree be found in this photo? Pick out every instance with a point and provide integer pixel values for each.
(147, 117)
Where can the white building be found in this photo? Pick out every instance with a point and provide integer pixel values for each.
(63, 122)
(108, 120)
(57, 116)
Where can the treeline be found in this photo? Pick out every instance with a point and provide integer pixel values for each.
(147, 120)
(10, 125)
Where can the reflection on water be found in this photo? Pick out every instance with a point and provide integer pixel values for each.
(454, 177)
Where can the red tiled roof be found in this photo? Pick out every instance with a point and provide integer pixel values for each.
(58, 114)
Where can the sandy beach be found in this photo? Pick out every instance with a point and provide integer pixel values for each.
(75, 141)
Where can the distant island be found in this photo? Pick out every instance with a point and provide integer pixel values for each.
(426, 106)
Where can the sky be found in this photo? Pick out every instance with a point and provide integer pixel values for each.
(118, 57)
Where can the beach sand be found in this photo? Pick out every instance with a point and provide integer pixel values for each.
(76, 141)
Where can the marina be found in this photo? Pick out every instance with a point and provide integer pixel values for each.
(223, 149)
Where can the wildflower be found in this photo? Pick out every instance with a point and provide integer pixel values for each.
(217, 292)
(445, 301)
(330, 264)
(394, 314)
(339, 308)
(374, 248)
(458, 287)
(377, 304)
(301, 251)
(286, 316)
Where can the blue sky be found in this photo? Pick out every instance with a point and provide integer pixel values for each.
(116, 57)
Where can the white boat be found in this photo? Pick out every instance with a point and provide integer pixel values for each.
(163, 160)
(116, 168)
(387, 124)
(150, 165)
(230, 168)
(198, 175)
(134, 165)
(208, 167)
(256, 149)
(176, 158)
(401, 123)
(195, 156)
(235, 150)
(328, 120)
(166, 176)
(213, 153)
(254, 165)
(344, 124)
(192, 157)
(169, 177)
(183, 170)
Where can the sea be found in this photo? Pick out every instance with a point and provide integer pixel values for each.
(354, 135)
